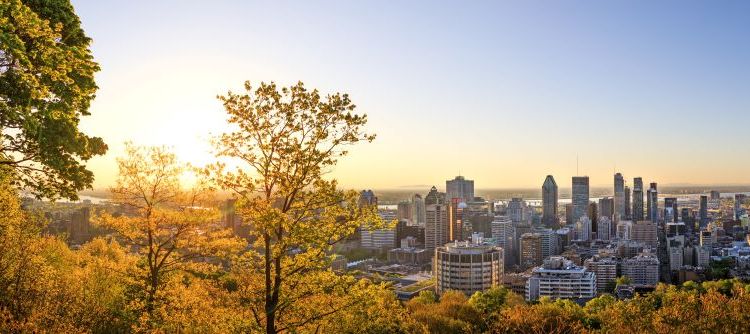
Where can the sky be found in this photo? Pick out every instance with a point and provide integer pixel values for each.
(502, 92)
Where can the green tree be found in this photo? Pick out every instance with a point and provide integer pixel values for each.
(285, 141)
(46, 86)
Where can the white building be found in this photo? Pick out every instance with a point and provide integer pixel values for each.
(560, 278)
(467, 267)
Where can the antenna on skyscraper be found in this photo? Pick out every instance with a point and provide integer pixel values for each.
(576, 164)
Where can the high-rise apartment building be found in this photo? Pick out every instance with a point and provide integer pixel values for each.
(605, 268)
(437, 232)
(460, 188)
(560, 278)
(637, 213)
(643, 270)
(549, 201)
(580, 197)
(619, 198)
(467, 267)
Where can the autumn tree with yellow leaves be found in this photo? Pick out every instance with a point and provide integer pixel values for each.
(285, 140)
(174, 230)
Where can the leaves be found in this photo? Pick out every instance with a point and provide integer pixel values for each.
(46, 86)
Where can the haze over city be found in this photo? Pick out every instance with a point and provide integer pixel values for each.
(504, 93)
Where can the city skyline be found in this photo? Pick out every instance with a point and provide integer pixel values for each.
(442, 100)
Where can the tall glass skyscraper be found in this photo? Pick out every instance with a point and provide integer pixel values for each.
(549, 201)
(637, 213)
(619, 197)
(580, 197)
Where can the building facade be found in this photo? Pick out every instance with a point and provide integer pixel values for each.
(467, 267)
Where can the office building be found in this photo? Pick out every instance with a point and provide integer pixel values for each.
(379, 239)
(456, 219)
(604, 228)
(583, 229)
(652, 198)
(549, 202)
(467, 267)
(517, 210)
(531, 250)
(637, 213)
(670, 210)
(606, 208)
(404, 211)
(460, 188)
(703, 211)
(569, 214)
(628, 207)
(503, 232)
(580, 197)
(560, 278)
(645, 231)
(619, 198)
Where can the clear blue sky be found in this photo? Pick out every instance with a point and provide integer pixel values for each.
(504, 92)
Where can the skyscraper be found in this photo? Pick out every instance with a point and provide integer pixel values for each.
(436, 232)
(637, 213)
(670, 210)
(606, 207)
(418, 210)
(516, 208)
(459, 188)
(704, 210)
(653, 203)
(549, 201)
(456, 219)
(580, 197)
(628, 213)
(619, 197)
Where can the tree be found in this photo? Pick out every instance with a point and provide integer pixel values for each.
(173, 229)
(285, 140)
(46, 86)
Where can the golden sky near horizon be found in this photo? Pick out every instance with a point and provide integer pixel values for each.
(470, 89)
